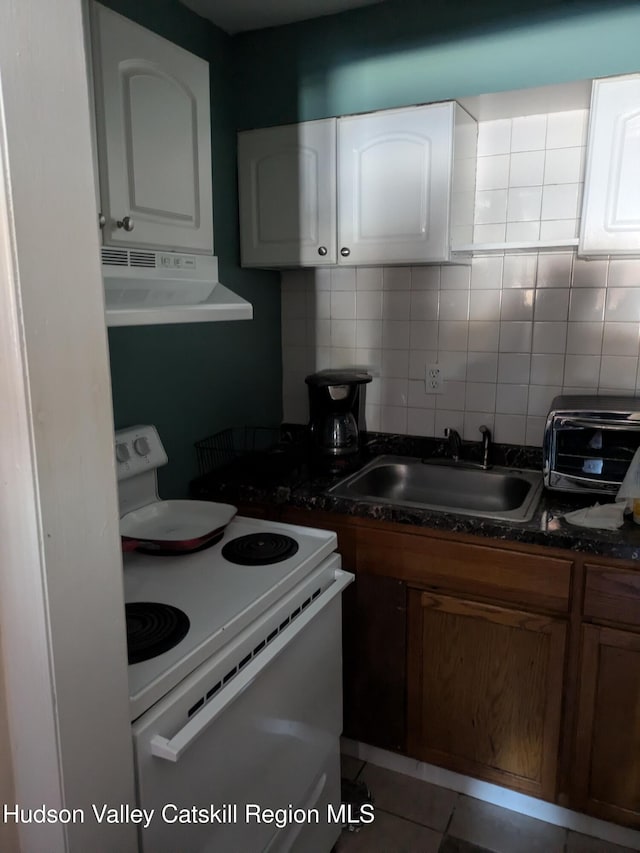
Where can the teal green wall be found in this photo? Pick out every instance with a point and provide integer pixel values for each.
(413, 51)
(193, 380)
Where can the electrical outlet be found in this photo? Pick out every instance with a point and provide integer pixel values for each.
(434, 379)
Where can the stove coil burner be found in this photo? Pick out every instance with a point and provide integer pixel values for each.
(153, 629)
(259, 549)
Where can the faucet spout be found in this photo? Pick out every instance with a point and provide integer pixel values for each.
(486, 446)
(455, 443)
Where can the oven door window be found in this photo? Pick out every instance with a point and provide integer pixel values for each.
(595, 453)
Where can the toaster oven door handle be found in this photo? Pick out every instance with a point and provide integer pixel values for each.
(172, 749)
(595, 423)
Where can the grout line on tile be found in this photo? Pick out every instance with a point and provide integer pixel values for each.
(453, 808)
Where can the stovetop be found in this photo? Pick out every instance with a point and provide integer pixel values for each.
(220, 598)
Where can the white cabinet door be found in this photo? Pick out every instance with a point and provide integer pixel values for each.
(287, 189)
(153, 134)
(611, 209)
(394, 182)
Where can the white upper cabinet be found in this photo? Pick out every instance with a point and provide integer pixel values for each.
(287, 188)
(611, 209)
(395, 181)
(403, 190)
(153, 138)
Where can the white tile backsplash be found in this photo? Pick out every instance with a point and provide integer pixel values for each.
(523, 232)
(368, 278)
(528, 133)
(515, 337)
(424, 305)
(584, 338)
(552, 304)
(454, 305)
(484, 336)
(567, 129)
(369, 334)
(623, 304)
(396, 278)
(527, 169)
(519, 271)
(395, 334)
(492, 172)
(485, 304)
(560, 201)
(564, 165)
(369, 305)
(523, 204)
(510, 331)
(517, 304)
(343, 278)
(343, 305)
(455, 278)
(587, 305)
(494, 137)
(620, 339)
(486, 273)
(624, 272)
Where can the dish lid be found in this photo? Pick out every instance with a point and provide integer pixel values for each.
(176, 521)
(324, 378)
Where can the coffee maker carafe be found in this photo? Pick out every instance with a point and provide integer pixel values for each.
(333, 407)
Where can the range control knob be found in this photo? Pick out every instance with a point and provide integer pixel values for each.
(122, 453)
(141, 446)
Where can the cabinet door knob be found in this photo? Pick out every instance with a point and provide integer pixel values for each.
(126, 223)
(322, 250)
(102, 220)
(345, 252)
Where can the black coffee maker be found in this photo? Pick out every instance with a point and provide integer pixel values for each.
(334, 405)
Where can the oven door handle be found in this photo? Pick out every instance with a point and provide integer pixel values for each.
(595, 423)
(172, 749)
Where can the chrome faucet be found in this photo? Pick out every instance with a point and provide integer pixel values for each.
(486, 446)
(455, 442)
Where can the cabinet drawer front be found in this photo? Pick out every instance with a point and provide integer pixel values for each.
(613, 595)
(485, 571)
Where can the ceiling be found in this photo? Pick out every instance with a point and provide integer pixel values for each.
(235, 16)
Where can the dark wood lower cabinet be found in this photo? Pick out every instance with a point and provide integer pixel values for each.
(606, 779)
(485, 690)
(456, 653)
(374, 661)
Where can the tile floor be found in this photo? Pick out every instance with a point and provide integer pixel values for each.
(416, 817)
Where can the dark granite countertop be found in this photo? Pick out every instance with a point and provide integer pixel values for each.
(286, 476)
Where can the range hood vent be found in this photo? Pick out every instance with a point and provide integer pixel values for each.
(150, 288)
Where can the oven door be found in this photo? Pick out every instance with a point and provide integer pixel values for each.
(590, 453)
(257, 727)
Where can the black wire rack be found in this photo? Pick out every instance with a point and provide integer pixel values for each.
(246, 442)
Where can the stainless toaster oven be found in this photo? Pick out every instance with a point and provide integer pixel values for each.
(589, 442)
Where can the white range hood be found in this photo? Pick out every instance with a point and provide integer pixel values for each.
(145, 288)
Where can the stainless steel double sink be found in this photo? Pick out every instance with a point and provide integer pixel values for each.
(509, 494)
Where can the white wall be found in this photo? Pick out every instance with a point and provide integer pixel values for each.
(61, 591)
(8, 832)
(509, 332)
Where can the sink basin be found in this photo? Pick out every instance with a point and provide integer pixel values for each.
(511, 494)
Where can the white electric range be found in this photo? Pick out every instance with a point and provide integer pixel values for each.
(244, 712)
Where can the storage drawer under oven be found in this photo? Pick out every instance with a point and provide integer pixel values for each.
(588, 453)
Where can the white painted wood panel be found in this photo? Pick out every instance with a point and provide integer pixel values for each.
(394, 180)
(287, 190)
(154, 144)
(611, 208)
(61, 598)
